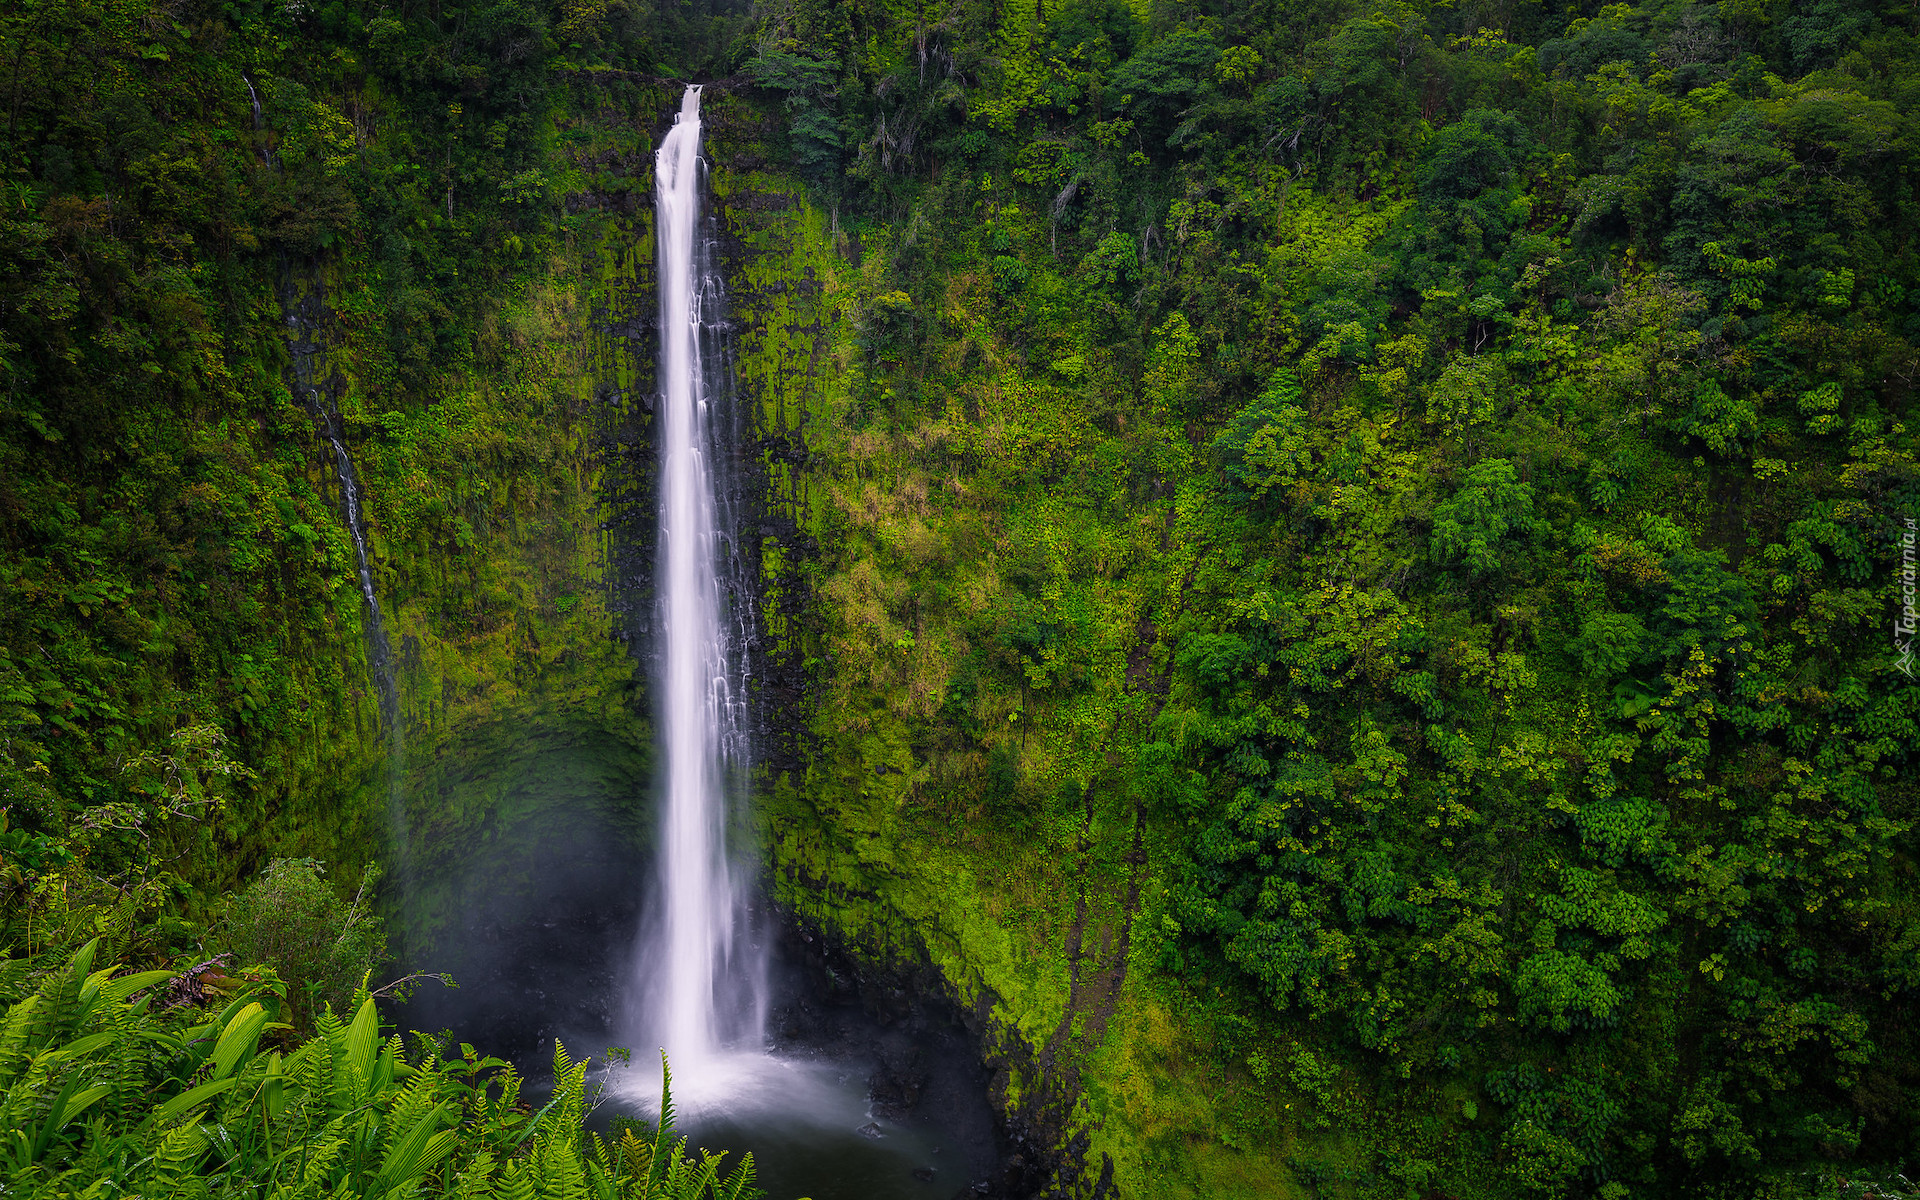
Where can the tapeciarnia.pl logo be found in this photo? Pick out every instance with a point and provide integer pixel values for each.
(1903, 624)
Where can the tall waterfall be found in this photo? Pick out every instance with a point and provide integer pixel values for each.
(701, 987)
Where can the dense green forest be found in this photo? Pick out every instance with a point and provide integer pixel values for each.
(1346, 556)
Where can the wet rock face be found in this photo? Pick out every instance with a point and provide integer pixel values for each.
(526, 978)
(932, 1062)
(923, 1062)
(532, 909)
(897, 1081)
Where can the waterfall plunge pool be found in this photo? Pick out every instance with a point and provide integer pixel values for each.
(812, 1126)
(843, 1105)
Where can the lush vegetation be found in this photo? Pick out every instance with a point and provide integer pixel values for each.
(1356, 541)
(1404, 502)
(227, 228)
(116, 1085)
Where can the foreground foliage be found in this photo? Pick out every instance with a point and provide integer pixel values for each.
(109, 1092)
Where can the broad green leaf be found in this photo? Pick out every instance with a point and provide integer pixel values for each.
(605, 1185)
(273, 1089)
(80, 1047)
(165, 1039)
(83, 961)
(94, 982)
(382, 1071)
(78, 1104)
(187, 1099)
(43, 1135)
(119, 989)
(418, 1149)
(241, 1034)
(362, 1038)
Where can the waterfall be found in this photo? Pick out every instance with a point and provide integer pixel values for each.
(302, 346)
(378, 646)
(259, 122)
(701, 986)
(379, 650)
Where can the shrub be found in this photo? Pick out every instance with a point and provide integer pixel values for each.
(291, 919)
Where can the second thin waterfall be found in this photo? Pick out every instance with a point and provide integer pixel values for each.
(701, 985)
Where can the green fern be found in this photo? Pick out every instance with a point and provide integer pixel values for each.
(475, 1181)
(179, 1149)
(100, 1097)
(16, 1038)
(516, 1183)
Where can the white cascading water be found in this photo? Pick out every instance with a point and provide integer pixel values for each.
(701, 987)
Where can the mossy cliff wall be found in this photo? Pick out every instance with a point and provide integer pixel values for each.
(491, 558)
(1008, 862)
(512, 524)
(176, 553)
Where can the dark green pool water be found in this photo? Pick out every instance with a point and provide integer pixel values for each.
(810, 1127)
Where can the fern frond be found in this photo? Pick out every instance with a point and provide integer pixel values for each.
(414, 1099)
(510, 1088)
(474, 1183)
(179, 1149)
(16, 1038)
(740, 1184)
(14, 976)
(634, 1157)
(126, 1062)
(57, 1013)
(569, 1088)
(316, 1172)
(516, 1183)
(104, 1158)
(310, 1068)
(687, 1179)
(327, 1025)
(561, 1173)
(665, 1151)
(338, 1084)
